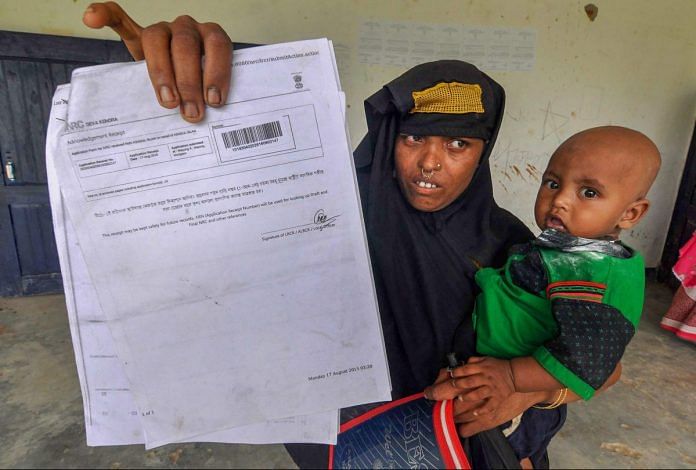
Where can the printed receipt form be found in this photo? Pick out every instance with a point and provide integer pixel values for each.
(111, 414)
(229, 257)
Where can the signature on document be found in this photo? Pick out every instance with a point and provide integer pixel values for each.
(320, 222)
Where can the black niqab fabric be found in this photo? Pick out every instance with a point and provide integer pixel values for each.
(424, 263)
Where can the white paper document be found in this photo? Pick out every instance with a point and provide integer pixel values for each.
(228, 257)
(111, 415)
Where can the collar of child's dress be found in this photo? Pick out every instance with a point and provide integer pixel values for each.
(551, 238)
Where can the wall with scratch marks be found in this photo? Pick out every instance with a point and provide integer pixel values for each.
(629, 62)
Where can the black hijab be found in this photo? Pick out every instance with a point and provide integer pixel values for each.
(424, 263)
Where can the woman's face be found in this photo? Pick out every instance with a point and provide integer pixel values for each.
(433, 171)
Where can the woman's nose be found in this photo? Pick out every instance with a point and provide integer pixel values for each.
(432, 156)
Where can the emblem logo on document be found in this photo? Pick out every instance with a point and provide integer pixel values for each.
(320, 223)
(298, 81)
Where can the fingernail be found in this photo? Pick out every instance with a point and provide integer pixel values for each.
(213, 95)
(190, 110)
(89, 9)
(166, 94)
(428, 395)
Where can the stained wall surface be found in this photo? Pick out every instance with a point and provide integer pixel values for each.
(634, 65)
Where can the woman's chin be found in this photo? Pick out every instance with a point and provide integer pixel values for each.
(426, 200)
(425, 204)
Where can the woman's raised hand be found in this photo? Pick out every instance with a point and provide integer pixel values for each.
(173, 54)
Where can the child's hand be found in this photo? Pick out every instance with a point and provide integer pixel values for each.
(487, 378)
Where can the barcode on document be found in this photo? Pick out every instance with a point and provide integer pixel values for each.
(250, 135)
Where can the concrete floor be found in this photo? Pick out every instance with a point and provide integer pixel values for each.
(647, 420)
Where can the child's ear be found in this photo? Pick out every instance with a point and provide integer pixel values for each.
(634, 213)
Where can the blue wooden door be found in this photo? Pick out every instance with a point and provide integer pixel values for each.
(31, 66)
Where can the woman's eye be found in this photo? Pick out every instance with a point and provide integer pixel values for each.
(411, 139)
(589, 193)
(459, 144)
(551, 184)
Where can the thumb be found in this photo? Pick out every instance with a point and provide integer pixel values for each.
(98, 15)
(442, 391)
(442, 376)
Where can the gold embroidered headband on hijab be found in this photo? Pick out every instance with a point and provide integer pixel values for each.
(449, 98)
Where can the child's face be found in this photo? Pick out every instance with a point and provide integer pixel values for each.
(588, 192)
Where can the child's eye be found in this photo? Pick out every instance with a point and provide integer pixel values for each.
(551, 184)
(589, 193)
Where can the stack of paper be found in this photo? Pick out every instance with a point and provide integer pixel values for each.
(217, 275)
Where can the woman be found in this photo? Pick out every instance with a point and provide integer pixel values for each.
(426, 191)
(426, 243)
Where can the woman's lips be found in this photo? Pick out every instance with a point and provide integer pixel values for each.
(425, 185)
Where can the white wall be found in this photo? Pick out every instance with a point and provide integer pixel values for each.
(635, 65)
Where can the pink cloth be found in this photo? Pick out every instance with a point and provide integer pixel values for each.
(685, 269)
(681, 316)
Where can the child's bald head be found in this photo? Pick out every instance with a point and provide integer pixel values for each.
(626, 153)
(596, 182)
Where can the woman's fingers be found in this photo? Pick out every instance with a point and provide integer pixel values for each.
(156, 41)
(488, 407)
(475, 426)
(477, 394)
(173, 54)
(434, 392)
(218, 61)
(98, 15)
(444, 390)
(470, 387)
(186, 49)
(443, 375)
(463, 409)
(470, 368)
(479, 410)
(469, 382)
(475, 359)
(466, 415)
(504, 412)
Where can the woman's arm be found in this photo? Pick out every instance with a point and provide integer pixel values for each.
(173, 54)
(611, 381)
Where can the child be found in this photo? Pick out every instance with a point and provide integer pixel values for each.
(561, 311)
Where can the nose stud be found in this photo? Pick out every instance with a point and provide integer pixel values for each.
(429, 174)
